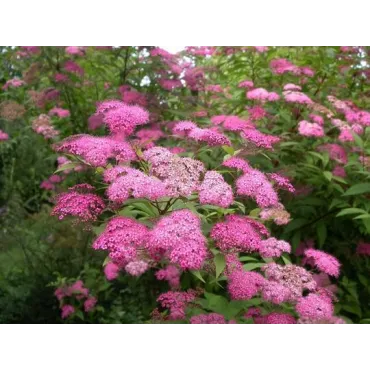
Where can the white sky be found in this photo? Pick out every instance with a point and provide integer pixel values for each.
(172, 46)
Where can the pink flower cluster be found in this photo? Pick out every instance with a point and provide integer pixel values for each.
(309, 129)
(215, 190)
(14, 82)
(170, 273)
(262, 95)
(42, 125)
(181, 176)
(125, 239)
(60, 112)
(281, 66)
(297, 97)
(3, 136)
(176, 303)
(179, 238)
(323, 261)
(49, 184)
(210, 318)
(79, 202)
(96, 151)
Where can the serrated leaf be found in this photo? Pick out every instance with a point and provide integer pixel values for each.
(350, 211)
(197, 274)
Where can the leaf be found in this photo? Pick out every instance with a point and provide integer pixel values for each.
(350, 211)
(358, 189)
(286, 260)
(220, 263)
(252, 266)
(295, 224)
(197, 274)
(98, 229)
(66, 166)
(328, 175)
(228, 149)
(321, 233)
(247, 258)
(361, 217)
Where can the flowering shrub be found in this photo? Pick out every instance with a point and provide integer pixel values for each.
(237, 177)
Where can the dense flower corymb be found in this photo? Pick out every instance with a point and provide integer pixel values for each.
(323, 261)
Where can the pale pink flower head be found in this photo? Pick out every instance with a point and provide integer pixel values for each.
(323, 261)
(15, 82)
(256, 113)
(297, 97)
(60, 112)
(136, 268)
(111, 271)
(317, 119)
(262, 95)
(246, 84)
(272, 247)
(67, 310)
(336, 152)
(3, 136)
(215, 190)
(172, 274)
(281, 182)
(276, 213)
(309, 129)
(292, 87)
(261, 49)
(275, 292)
(259, 139)
(176, 302)
(75, 50)
(281, 66)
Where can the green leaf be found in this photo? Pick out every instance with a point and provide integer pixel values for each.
(253, 266)
(358, 189)
(321, 233)
(220, 264)
(328, 175)
(295, 224)
(228, 149)
(350, 211)
(286, 260)
(197, 274)
(247, 258)
(67, 166)
(361, 217)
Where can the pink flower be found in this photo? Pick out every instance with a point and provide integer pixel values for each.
(276, 213)
(282, 182)
(297, 97)
(323, 261)
(60, 77)
(292, 87)
(15, 82)
(314, 307)
(61, 113)
(211, 318)
(336, 152)
(317, 119)
(90, 303)
(339, 171)
(238, 233)
(124, 238)
(171, 274)
(309, 129)
(281, 66)
(262, 95)
(71, 66)
(67, 310)
(176, 302)
(214, 190)
(96, 150)
(178, 236)
(75, 50)
(77, 203)
(244, 285)
(276, 318)
(125, 118)
(111, 271)
(256, 113)
(260, 139)
(272, 247)
(275, 292)
(3, 136)
(136, 268)
(247, 83)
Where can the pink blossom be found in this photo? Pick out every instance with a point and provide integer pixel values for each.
(336, 152)
(80, 203)
(124, 238)
(281, 182)
(260, 139)
(276, 318)
(75, 50)
(96, 150)
(61, 113)
(323, 261)
(256, 113)
(14, 82)
(314, 307)
(317, 119)
(238, 163)
(60, 77)
(262, 95)
(136, 268)
(339, 171)
(244, 285)
(178, 236)
(292, 87)
(90, 303)
(3, 136)
(73, 67)
(238, 233)
(272, 247)
(67, 310)
(214, 190)
(297, 97)
(211, 318)
(171, 274)
(176, 302)
(275, 292)
(111, 271)
(247, 84)
(309, 129)
(276, 213)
